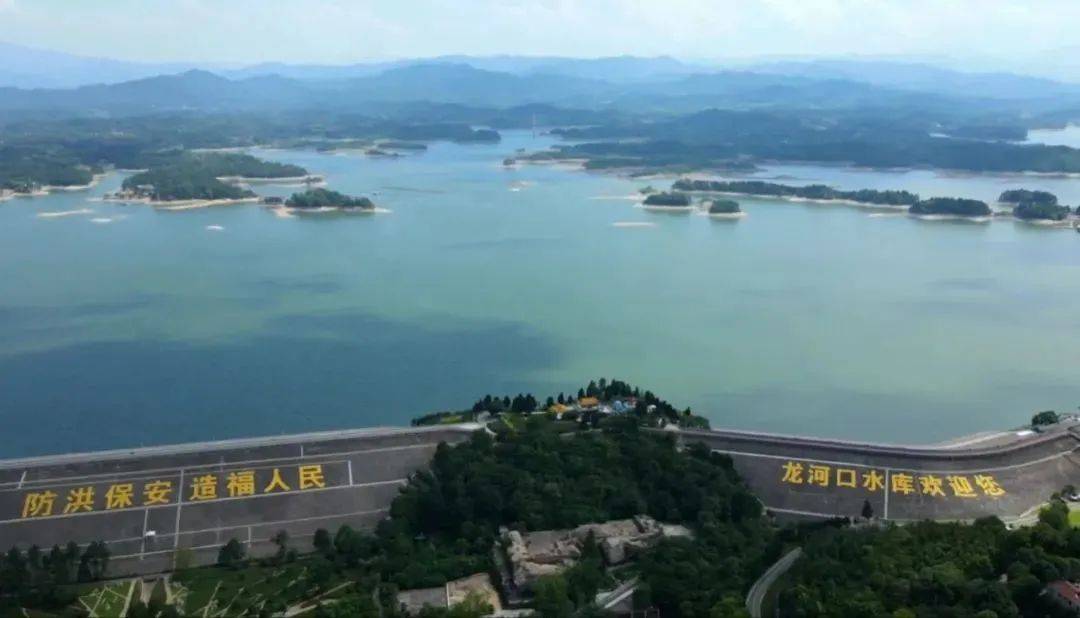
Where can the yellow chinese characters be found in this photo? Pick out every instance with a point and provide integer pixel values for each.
(241, 483)
(119, 496)
(79, 499)
(819, 475)
(845, 477)
(989, 486)
(204, 487)
(38, 504)
(896, 482)
(931, 485)
(873, 480)
(902, 483)
(793, 473)
(276, 482)
(961, 486)
(157, 492)
(311, 476)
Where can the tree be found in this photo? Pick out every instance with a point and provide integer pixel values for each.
(231, 554)
(867, 510)
(1046, 417)
(322, 542)
(281, 539)
(552, 599)
(730, 606)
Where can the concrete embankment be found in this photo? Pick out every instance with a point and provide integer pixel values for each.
(807, 477)
(157, 506)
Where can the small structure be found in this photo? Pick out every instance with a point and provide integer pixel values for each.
(412, 601)
(1064, 594)
(454, 592)
(532, 555)
(559, 410)
(588, 403)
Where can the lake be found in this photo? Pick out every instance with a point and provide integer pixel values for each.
(125, 325)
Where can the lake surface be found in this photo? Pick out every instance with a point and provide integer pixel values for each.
(128, 325)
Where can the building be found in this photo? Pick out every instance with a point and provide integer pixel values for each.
(588, 403)
(1064, 594)
(412, 602)
(532, 555)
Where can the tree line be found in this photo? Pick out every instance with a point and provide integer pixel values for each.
(34, 578)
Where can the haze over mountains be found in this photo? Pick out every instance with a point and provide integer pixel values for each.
(43, 80)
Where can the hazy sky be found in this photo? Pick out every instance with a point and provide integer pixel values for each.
(340, 31)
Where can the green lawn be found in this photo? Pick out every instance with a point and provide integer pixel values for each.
(1074, 518)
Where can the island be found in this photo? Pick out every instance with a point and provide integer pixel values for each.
(712, 139)
(379, 152)
(810, 192)
(724, 208)
(951, 206)
(1037, 206)
(1026, 196)
(322, 200)
(667, 200)
(1034, 211)
(202, 177)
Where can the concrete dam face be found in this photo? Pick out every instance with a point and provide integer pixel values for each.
(150, 505)
(155, 505)
(1006, 476)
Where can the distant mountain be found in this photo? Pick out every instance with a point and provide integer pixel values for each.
(196, 89)
(923, 78)
(617, 69)
(534, 77)
(612, 69)
(27, 67)
(448, 83)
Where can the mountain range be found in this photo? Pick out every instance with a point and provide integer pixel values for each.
(38, 80)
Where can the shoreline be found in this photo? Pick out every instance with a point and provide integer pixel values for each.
(1068, 223)
(309, 178)
(44, 190)
(180, 204)
(286, 212)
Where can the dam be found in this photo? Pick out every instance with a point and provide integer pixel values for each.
(163, 506)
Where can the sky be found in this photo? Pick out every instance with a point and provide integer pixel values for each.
(1013, 32)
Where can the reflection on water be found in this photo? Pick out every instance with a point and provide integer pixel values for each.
(166, 326)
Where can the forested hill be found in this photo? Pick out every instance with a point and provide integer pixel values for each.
(716, 138)
(196, 176)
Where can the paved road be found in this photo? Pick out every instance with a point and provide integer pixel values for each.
(756, 597)
(807, 477)
(149, 503)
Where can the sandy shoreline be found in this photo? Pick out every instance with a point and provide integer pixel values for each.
(804, 200)
(286, 212)
(653, 208)
(44, 190)
(180, 204)
(284, 180)
(897, 209)
(56, 214)
(97, 178)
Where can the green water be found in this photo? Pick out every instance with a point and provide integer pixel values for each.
(150, 328)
